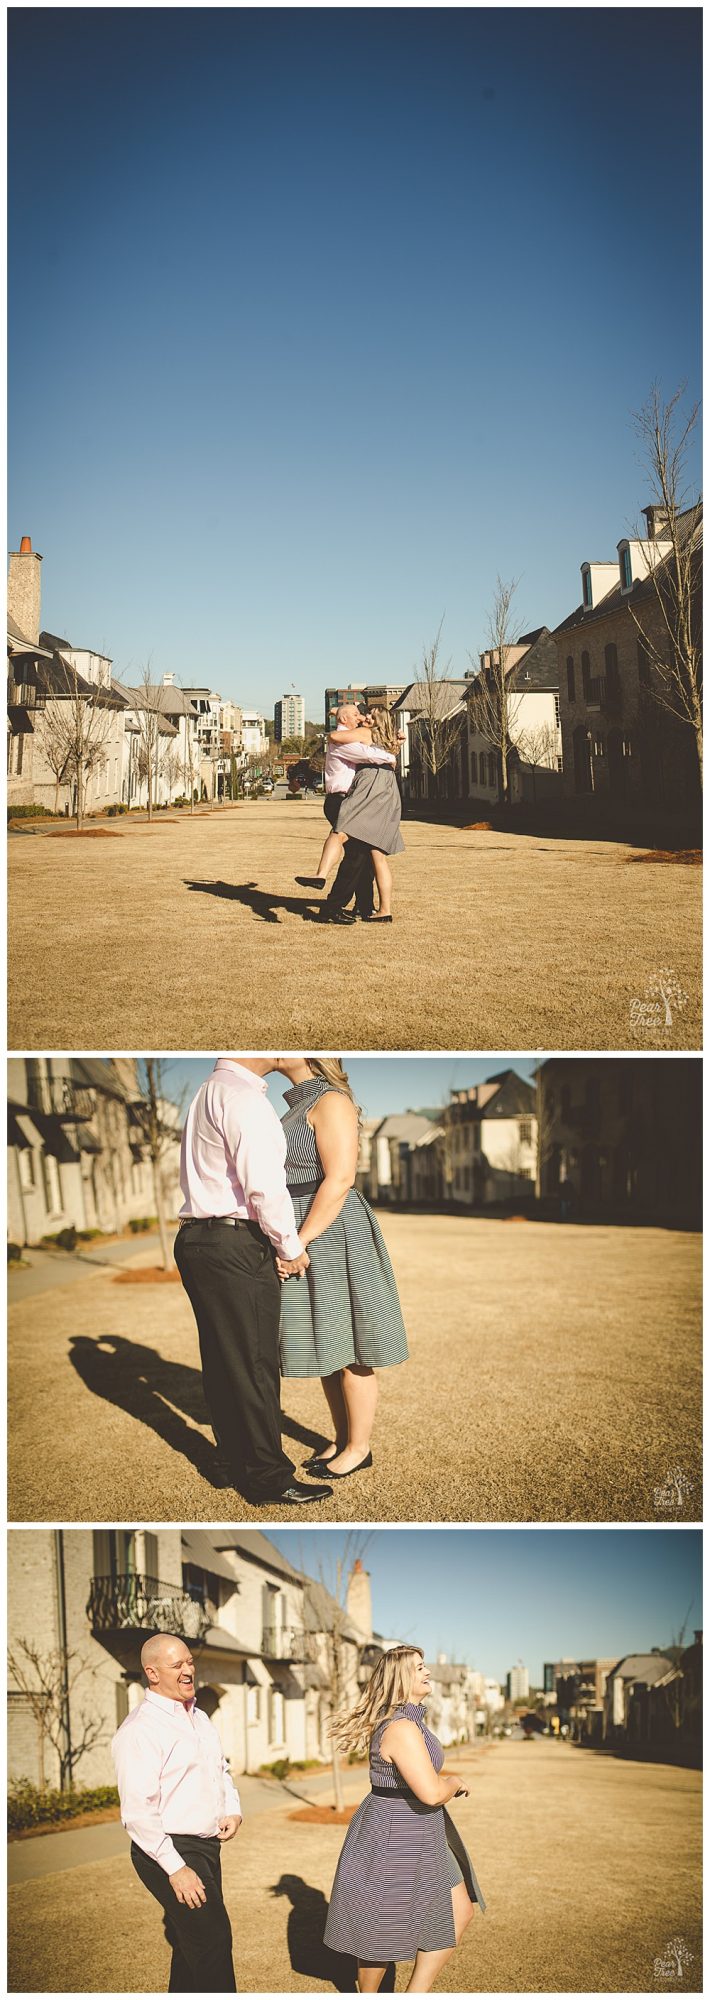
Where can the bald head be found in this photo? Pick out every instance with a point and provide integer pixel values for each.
(168, 1666)
(348, 715)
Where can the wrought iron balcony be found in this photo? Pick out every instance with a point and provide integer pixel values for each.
(284, 1642)
(144, 1604)
(604, 692)
(60, 1095)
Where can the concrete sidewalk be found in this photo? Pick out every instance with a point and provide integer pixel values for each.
(47, 1267)
(74, 1847)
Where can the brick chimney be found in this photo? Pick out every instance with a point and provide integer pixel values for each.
(24, 590)
(360, 1599)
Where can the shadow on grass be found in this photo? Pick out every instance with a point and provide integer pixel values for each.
(309, 1956)
(137, 1379)
(263, 905)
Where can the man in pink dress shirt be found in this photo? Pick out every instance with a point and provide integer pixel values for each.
(179, 1805)
(237, 1216)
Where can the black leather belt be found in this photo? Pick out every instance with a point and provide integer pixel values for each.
(390, 1792)
(230, 1221)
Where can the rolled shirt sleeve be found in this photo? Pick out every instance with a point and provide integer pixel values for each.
(232, 1804)
(137, 1764)
(258, 1145)
(364, 753)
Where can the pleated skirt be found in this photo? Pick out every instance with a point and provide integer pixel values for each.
(392, 1891)
(345, 1309)
(371, 811)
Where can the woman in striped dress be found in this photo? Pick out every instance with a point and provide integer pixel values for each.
(404, 1886)
(342, 1319)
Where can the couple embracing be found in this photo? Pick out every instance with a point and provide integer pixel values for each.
(286, 1270)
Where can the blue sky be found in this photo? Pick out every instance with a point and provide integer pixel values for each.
(322, 318)
(490, 1596)
(381, 1083)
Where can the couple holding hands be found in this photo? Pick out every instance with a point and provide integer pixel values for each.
(286, 1270)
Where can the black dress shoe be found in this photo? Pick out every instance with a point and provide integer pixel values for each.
(322, 1465)
(335, 916)
(298, 1495)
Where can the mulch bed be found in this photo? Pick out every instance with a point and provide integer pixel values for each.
(154, 1275)
(324, 1815)
(86, 833)
(691, 857)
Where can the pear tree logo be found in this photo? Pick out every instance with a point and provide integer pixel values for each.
(663, 999)
(673, 1493)
(674, 1960)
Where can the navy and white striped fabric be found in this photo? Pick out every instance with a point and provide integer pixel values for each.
(345, 1310)
(399, 1862)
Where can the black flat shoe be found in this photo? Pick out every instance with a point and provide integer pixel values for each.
(378, 920)
(323, 1466)
(310, 881)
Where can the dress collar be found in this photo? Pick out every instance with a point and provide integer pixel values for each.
(173, 1707)
(299, 1090)
(245, 1075)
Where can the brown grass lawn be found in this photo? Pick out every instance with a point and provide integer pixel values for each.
(191, 935)
(554, 1375)
(590, 1866)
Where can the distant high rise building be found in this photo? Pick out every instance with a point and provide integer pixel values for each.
(289, 717)
(518, 1682)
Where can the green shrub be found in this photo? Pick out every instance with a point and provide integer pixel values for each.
(113, 811)
(28, 1805)
(88, 1235)
(139, 1223)
(30, 812)
(65, 1239)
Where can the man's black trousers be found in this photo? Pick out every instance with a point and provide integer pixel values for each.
(356, 874)
(230, 1279)
(201, 1939)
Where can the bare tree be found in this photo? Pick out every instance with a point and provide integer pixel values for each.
(671, 634)
(336, 1623)
(171, 766)
(159, 1115)
(148, 715)
(537, 747)
(494, 704)
(76, 725)
(49, 1681)
(437, 726)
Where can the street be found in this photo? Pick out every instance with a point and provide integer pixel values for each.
(192, 934)
(554, 1374)
(590, 1866)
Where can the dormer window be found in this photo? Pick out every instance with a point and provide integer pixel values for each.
(586, 590)
(625, 567)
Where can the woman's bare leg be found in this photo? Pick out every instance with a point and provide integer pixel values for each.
(369, 1977)
(383, 877)
(332, 1386)
(332, 853)
(428, 1963)
(360, 1398)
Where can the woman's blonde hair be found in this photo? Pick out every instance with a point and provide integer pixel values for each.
(385, 731)
(332, 1072)
(388, 1687)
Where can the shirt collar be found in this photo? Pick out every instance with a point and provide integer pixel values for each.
(165, 1701)
(245, 1075)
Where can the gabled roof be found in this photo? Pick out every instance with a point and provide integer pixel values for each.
(643, 587)
(168, 700)
(60, 679)
(448, 696)
(648, 1667)
(257, 1548)
(403, 1125)
(322, 1613)
(19, 642)
(503, 1095)
(539, 668)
